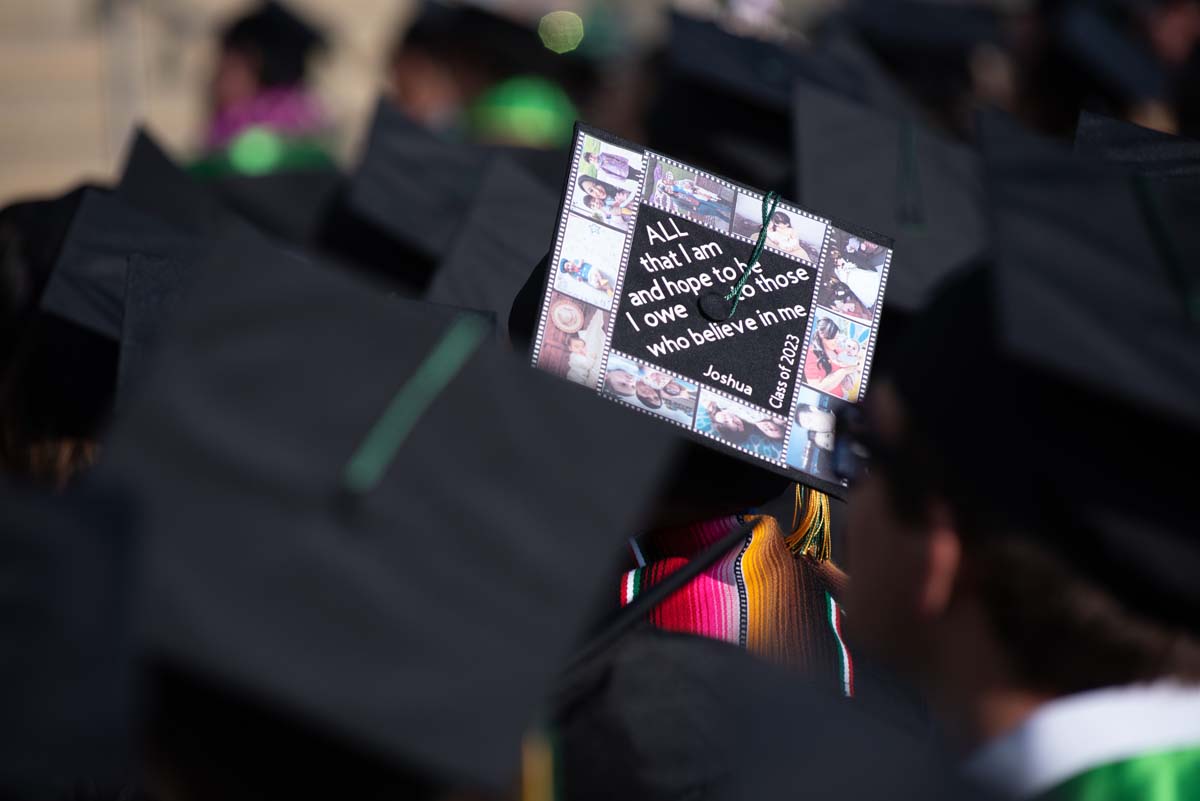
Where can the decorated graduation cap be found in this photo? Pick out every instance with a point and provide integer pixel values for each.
(394, 529)
(712, 306)
(405, 201)
(892, 174)
(1079, 345)
(67, 682)
(488, 262)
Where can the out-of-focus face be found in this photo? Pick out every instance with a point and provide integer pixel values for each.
(235, 80)
(621, 382)
(888, 559)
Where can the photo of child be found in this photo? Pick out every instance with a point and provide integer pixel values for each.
(853, 276)
(787, 231)
(606, 203)
(749, 429)
(616, 165)
(650, 389)
(573, 341)
(811, 445)
(590, 262)
(835, 357)
(683, 192)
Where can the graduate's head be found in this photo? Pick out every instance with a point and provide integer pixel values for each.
(991, 537)
(268, 48)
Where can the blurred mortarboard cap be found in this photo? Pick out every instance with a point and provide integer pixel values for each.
(509, 226)
(281, 38)
(155, 184)
(32, 233)
(1076, 344)
(723, 99)
(927, 45)
(1096, 36)
(87, 284)
(394, 527)
(650, 718)
(893, 175)
(405, 201)
(67, 681)
(286, 205)
(1142, 150)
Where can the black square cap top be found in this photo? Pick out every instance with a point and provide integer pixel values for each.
(413, 184)
(67, 681)
(892, 175)
(1143, 150)
(87, 284)
(1076, 374)
(393, 527)
(488, 263)
(155, 184)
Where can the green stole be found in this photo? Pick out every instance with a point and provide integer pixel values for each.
(1163, 776)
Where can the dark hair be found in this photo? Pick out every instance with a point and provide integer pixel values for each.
(1063, 632)
(780, 218)
(278, 39)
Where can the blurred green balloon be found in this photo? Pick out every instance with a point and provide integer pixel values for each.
(561, 31)
(256, 152)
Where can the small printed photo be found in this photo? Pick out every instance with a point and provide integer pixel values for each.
(853, 276)
(741, 426)
(615, 165)
(573, 340)
(649, 389)
(590, 262)
(835, 357)
(689, 194)
(788, 231)
(811, 446)
(605, 202)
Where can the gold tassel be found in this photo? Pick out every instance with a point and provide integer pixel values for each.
(537, 766)
(810, 525)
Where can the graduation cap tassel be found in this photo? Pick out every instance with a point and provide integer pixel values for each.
(1185, 276)
(810, 525)
(713, 304)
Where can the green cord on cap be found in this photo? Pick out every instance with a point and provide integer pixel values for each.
(370, 461)
(769, 204)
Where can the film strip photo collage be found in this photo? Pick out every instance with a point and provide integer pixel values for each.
(607, 184)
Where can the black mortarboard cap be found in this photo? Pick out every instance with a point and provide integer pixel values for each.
(87, 284)
(31, 236)
(896, 176)
(510, 222)
(67, 573)
(286, 205)
(1077, 347)
(1145, 151)
(405, 200)
(651, 718)
(156, 185)
(393, 527)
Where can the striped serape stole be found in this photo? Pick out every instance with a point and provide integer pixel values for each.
(761, 596)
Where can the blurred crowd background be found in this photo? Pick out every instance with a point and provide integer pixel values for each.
(77, 75)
